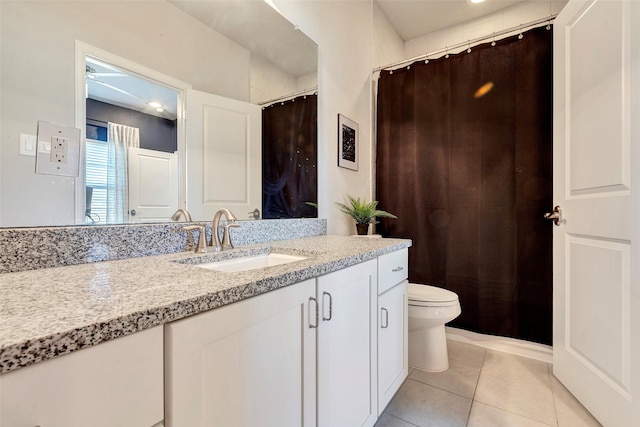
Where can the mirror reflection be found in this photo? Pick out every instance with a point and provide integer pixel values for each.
(42, 76)
(131, 140)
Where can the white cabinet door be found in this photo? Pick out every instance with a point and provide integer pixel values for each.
(116, 383)
(251, 363)
(393, 366)
(347, 380)
(596, 283)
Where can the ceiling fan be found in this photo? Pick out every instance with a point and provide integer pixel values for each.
(91, 75)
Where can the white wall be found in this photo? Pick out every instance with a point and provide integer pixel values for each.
(386, 44)
(342, 30)
(349, 47)
(307, 81)
(37, 68)
(268, 81)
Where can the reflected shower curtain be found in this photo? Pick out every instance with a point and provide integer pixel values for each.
(289, 157)
(119, 139)
(464, 158)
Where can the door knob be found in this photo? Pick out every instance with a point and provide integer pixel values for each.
(255, 214)
(555, 215)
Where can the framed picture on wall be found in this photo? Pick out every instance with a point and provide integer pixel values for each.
(347, 143)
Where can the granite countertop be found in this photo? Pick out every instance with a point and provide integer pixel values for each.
(54, 311)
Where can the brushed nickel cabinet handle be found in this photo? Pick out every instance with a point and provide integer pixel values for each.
(386, 318)
(330, 306)
(311, 325)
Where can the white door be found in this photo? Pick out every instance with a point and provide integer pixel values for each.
(347, 387)
(153, 185)
(251, 363)
(596, 313)
(224, 161)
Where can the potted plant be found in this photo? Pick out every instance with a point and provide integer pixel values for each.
(363, 212)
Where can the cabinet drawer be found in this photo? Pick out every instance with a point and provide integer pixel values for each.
(393, 268)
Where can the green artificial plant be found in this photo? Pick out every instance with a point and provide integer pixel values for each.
(363, 212)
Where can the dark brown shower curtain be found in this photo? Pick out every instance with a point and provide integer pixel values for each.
(464, 159)
(289, 157)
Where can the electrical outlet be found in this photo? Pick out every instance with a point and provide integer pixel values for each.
(59, 148)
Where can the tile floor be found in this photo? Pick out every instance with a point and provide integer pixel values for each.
(485, 388)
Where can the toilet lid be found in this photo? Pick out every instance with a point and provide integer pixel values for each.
(426, 293)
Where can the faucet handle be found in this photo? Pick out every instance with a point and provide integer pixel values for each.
(226, 236)
(201, 238)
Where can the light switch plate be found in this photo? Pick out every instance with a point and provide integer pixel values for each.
(27, 144)
(58, 150)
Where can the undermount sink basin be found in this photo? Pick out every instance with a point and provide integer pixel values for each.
(250, 262)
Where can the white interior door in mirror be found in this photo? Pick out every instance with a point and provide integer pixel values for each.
(153, 185)
(223, 163)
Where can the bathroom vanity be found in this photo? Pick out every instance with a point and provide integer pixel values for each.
(318, 341)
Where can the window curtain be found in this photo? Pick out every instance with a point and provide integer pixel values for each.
(289, 158)
(464, 159)
(119, 139)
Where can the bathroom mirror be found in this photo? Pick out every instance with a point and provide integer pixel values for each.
(230, 52)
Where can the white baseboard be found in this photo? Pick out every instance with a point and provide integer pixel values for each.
(508, 345)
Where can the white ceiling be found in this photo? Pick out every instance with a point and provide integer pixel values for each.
(256, 26)
(112, 85)
(252, 24)
(415, 18)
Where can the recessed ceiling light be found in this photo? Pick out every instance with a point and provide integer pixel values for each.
(476, 1)
(160, 109)
(155, 104)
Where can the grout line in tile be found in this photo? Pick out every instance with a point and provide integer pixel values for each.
(553, 393)
(446, 391)
(475, 389)
(440, 388)
(511, 412)
(401, 419)
(466, 422)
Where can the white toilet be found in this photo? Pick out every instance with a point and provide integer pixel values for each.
(430, 308)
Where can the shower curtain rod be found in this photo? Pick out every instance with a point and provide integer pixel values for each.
(291, 95)
(549, 19)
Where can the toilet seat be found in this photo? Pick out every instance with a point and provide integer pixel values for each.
(430, 296)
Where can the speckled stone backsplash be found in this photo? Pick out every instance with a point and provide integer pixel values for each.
(24, 249)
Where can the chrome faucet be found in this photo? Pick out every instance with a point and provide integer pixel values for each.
(226, 238)
(178, 213)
